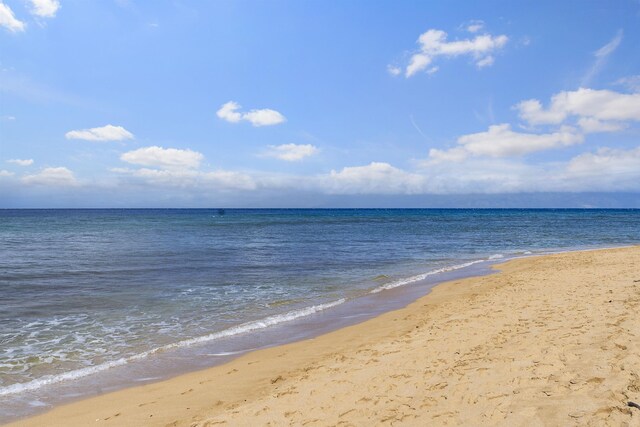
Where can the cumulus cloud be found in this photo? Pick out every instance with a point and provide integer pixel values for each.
(8, 19)
(606, 169)
(189, 178)
(172, 167)
(5, 173)
(163, 158)
(501, 141)
(600, 105)
(21, 162)
(59, 176)
(44, 8)
(104, 133)
(455, 155)
(291, 152)
(480, 175)
(480, 159)
(375, 178)
(262, 117)
(229, 112)
(433, 44)
(591, 125)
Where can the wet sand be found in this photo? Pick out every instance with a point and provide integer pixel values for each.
(550, 340)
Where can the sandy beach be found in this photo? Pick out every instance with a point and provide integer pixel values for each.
(550, 340)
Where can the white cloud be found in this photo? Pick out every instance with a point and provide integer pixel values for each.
(592, 125)
(5, 173)
(601, 56)
(59, 176)
(262, 117)
(9, 21)
(189, 178)
(171, 167)
(475, 25)
(501, 141)
(44, 8)
(375, 178)
(531, 110)
(603, 105)
(455, 155)
(607, 169)
(21, 162)
(394, 70)
(164, 158)
(433, 43)
(631, 82)
(481, 176)
(8, 118)
(606, 162)
(229, 112)
(104, 133)
(418, 62)
(485, 62)
(229, 180)
(291, 152)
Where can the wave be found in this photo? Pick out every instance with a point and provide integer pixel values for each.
(236, 330)
(419, 277)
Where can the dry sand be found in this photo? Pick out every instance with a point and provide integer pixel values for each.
(551, 340)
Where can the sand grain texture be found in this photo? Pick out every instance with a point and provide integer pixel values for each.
(549, 340)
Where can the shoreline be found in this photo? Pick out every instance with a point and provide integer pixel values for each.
(348, 312)
(274, 373)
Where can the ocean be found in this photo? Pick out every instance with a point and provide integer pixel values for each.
(94, 300)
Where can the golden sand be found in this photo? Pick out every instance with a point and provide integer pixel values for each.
(552, 340)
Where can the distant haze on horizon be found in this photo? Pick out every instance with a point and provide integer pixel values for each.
(130, 103)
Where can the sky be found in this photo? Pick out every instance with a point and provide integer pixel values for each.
(131, 103)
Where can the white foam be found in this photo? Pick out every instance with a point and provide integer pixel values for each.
(419, 277)
(226, 353)
(140, 380)
(496, 256)
(236, 330)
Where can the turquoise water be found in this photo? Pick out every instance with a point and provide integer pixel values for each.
(85, 293)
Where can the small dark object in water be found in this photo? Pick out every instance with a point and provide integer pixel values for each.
(633, 404)
(221, 212)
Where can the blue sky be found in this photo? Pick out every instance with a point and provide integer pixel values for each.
(192, 103)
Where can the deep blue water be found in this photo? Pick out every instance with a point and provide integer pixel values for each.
(85, 289)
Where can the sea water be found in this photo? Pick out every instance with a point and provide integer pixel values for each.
(93, 300)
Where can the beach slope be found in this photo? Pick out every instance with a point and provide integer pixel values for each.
(551, 340)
